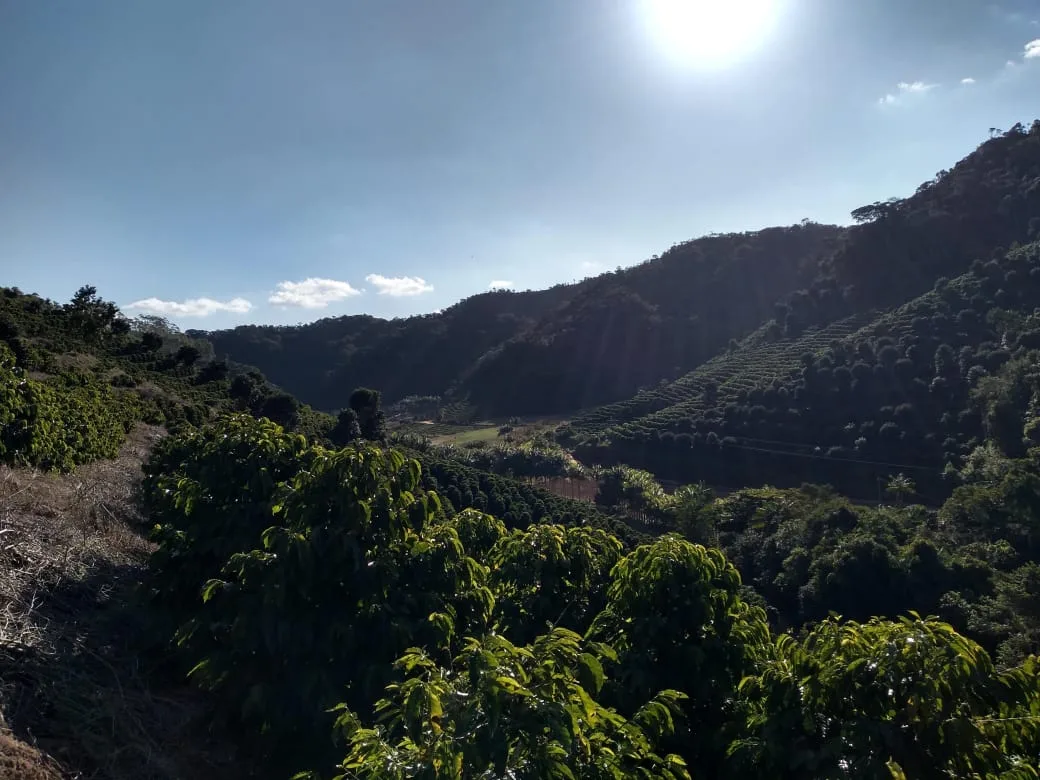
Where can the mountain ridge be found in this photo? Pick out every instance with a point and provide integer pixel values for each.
(601, 340)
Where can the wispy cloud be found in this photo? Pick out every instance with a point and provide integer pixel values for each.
(590, 265)
(905, 89)
(313, 293)
(193, 307)
(915, 87)
(399, 286)
(968, 80)
(1032, 50)
(500, 284)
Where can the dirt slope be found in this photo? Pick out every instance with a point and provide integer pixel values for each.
(78, 692)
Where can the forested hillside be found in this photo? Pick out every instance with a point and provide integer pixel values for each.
(915, 390)
(603, 339)
(164, 376)
(842, 387)
(321, 362)
(552, 350)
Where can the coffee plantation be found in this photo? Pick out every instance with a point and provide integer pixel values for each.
(443, 644)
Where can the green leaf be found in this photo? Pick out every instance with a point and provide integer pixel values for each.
(590, 673)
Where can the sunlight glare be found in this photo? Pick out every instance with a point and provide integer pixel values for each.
(708, 33)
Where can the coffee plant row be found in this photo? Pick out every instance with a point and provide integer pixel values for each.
(59, 422)
(319, 593)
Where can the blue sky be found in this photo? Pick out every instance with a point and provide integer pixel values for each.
(263, 161)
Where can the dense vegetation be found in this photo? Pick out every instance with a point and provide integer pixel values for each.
(603, 339)
(321, 362)
(559, 349)
(74, 378)
(59, 423)
(917, 391)
(834, 390)
(805, 553)
(469, 649)
(517, 503)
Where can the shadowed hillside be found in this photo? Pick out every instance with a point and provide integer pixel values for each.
(323, 361)
(551, 350)
(605, 338)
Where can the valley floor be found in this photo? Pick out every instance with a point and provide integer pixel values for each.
(74, 701)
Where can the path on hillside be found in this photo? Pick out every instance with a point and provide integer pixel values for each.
(73, 687)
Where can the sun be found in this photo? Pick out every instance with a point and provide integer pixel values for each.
(708, 33)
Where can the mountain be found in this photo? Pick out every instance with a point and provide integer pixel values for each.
(603, 339)
(852, 382)
(636, 326)
(907, 390)
(323, 361)
(665, 628)
(551, 350)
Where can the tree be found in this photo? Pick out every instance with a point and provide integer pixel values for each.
(550, 576)
(92, 316)
(901, 487)
(692, 520)
(248, 389)
(152, 342)
(188, 354)
(365, 403)
(878, 210)
(214, 371)
(346, 429)
(281, 408)
(611, 487)
(153, 323)
(674, 614)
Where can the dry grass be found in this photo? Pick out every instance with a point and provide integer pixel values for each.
(19, 761)
(75, 360)
(72, 682)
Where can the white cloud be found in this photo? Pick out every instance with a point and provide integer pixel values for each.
(906, 88)
(499, 284)
(968, 80)
(399, 286)
(311, 293)
(915, 86)
(590, 265)
(1032, 49)
(193, 307)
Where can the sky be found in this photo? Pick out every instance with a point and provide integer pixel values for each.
(277, 161)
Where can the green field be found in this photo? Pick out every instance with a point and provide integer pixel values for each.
(445, 433)
(471, 435)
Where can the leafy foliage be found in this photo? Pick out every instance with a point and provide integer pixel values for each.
(61, 422)
(159, 375)
(918, 389)
(447, 646)
(909, 697)
(505, 711)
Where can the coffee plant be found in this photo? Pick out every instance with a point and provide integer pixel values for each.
(358, 626)
(61, 422)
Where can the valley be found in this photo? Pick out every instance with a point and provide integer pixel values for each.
(767, 504)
